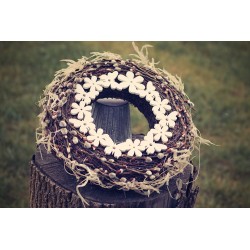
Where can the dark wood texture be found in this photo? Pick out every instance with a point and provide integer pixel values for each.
(113, 116)
(51, 186)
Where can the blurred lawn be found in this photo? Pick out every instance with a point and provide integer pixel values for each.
(216, 77)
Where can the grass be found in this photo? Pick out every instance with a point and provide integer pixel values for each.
(216, 77)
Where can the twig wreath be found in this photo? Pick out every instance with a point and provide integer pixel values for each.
(143, 165)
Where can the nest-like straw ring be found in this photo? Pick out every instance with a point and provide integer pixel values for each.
(132, 168)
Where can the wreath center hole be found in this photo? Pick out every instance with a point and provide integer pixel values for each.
(139, 123)
(118, 118)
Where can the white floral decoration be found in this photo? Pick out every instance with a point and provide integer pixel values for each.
(133, 148)
(109, 81)
(81, 95)
(92, 84)
(149, 93)
(161, 132)
(80, 110)
(167, 120)
(113, 149)
(151, 146)
(83, 125)
(97, 137)
(133, 83)
(160, 105)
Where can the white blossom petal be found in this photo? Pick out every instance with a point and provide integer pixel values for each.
(164, 138)
(74, 105)
(108, 150)
(159, 147)
(96, 142)
(124, 85)
(139, 79)
(171, 124)
(142, 94)
(169, 134)
(141, 148)
(87, 85)
(137, 142)
(130, 75)
(92, 94)
(88, 108)
(173, 116)
(91, 126)
(83, 129)
(160, 116)
(150, 150)
(157, 137)
(74, 111)
(131, 152)
(168, 107)
(104, 141)
(99, 131)
(78, 97)
(150, 86)
(87, 80)
(123, 146)
(138, 153)
(80, 115)
(91, 137)
(117, 153)
(99, 88)
(122, 78)
(79, 89)
(75, 122)
(132, 89)
(163, 122)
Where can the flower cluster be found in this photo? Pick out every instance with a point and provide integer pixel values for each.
(156, 138)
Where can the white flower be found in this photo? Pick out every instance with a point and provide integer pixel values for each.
(92, 84)
(134, 83)
(113, 148)
(160, 105)
(98, 137)
(168, 120)
(150, 93)
(80, 110)
(109, 81)
(151, 146)
(81, 95)
(161, 132)
(83, 125)
(133, 148)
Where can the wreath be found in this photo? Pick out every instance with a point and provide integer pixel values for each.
(144, 163)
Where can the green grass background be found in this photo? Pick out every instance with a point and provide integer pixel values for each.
(216, 77)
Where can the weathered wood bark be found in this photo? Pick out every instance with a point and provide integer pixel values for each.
(51, 186)
(113, 116)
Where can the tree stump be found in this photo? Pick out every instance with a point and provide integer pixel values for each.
(51, 186)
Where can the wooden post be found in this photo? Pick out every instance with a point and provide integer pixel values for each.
(52, 186)
(113, 116)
